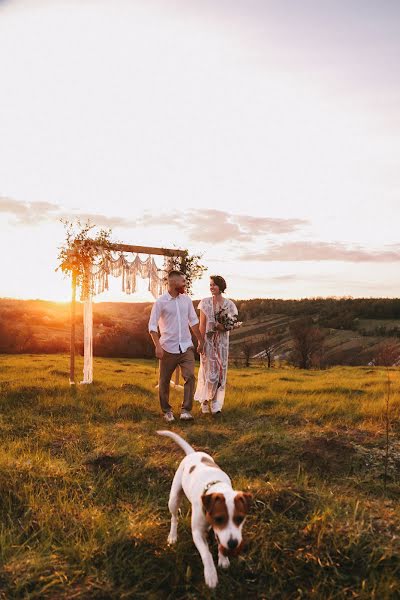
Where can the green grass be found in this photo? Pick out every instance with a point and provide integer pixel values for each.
(84, 484)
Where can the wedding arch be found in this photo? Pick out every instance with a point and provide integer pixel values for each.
(91, 263)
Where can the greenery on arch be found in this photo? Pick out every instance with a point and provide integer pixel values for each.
(190, 265)
(79, 249)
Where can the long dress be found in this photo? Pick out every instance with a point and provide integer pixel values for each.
(211, 379)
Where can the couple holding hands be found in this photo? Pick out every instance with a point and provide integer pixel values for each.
(173, 314)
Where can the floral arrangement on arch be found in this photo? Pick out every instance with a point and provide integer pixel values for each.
(190, 265)
(80, 249)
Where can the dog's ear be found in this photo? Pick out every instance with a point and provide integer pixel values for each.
(243, 501)
(209, 500)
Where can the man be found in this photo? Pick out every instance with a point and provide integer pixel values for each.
(173, 313)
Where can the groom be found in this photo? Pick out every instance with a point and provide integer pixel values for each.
(173, 313)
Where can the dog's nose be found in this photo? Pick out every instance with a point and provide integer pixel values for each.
(232, 544)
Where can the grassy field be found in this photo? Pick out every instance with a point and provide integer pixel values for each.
(84, 483)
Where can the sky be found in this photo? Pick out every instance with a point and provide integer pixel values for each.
(264, 135)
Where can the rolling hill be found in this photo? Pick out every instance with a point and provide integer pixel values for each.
(352, 337)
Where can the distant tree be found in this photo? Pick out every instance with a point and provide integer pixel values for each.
(319, 356)
(332, 312)
(8, 337)
(25, 339)
(101, 320)
(120, 341)
(308, 341)
(247, 350)
(270, 343)
(387, 354)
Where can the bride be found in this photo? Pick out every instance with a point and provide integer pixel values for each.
(217, 316)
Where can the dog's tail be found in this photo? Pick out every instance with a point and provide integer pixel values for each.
(187, 448)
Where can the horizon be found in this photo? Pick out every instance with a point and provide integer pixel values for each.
(264, 136)
(97, 300)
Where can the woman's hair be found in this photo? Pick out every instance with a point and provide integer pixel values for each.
(220, 282)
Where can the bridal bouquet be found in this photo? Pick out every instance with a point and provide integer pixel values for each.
(227, 320)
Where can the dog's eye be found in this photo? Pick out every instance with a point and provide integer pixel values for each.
(219, 520)
(238, 520)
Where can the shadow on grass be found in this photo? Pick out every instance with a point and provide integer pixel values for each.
(333, 456)
(142, 569)
(29, 395)
(293, 502)
(328, 390)
(69, 411)
(237, 413)
(11, 504)
(136, 388)
(207, 440)
(24, 396)
(128, 478)
(133, 412)
(258, 453)
(59, 372)
(267, 403)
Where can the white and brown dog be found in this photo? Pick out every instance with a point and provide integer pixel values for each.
(214, 505)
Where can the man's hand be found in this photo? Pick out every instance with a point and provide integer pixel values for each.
(200, 347)
(159, 352)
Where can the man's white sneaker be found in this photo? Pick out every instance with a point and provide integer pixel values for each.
(205, 408)
(169, 417)
(186, 416)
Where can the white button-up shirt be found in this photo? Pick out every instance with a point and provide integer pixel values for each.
(173, 317)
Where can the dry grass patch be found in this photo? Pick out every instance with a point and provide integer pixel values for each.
(85, 482)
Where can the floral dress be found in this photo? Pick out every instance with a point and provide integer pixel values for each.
(211, 380)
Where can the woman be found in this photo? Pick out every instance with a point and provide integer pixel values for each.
(217, 316)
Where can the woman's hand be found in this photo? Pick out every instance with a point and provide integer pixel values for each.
(220, 327)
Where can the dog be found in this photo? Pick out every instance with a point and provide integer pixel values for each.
(215, 505)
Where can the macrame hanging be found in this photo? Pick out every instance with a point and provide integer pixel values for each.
(96, 282)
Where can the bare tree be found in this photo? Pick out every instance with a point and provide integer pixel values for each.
(270, 343)
(8, 337)
(247, 350)
(308, 341)
(388, 353)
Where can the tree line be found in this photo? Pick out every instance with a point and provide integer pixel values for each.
(338, 313)
(121, 330)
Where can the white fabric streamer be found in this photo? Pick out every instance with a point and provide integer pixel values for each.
(88, 341)
(128, 271)
(97, 282)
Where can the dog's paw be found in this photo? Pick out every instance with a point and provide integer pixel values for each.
(172, 538)
(211, 577)
(223, 561)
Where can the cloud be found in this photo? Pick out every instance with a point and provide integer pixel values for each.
(261, 225)
(200, 225)
(103, 220)
(29, 213)
(34, 213)
(217, 226)
(278, 278)
(322, 251)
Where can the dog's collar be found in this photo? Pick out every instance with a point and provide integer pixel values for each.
(210, 484)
